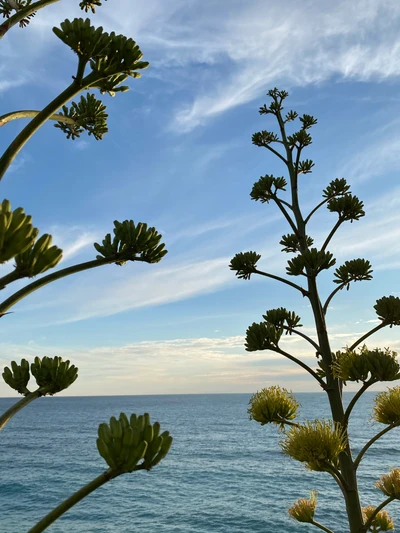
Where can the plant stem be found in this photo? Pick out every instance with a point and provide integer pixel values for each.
(14, 409)
(371, 332)
(23, 13)
(300, 363)
(317, 524)
(31, 128)
(333, 385)
(285, 214)
(332, 294)
(9, 278)
(282, 280)
(31, 113)
(368, 523)
(315, 209)
(371, 442)
(303, 335)
(355, 398)
(331, 234)
(28, 289)
(73, 500)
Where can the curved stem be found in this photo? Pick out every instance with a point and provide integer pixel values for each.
(368, 523)
(355, 398)
(106, 476)
(317, 524)
(282, 280)
(315, 209)
(300, 363)
(371, 442)
(13, 410)
(335, 473)
(331, 234)
(371, 332)
(28, 289)
(9, 278)
(332, 294)
(285, 214)
(304, 336)
(31, 128)
(284, 202)
(31, 113)
(23, 13)
(276, 153)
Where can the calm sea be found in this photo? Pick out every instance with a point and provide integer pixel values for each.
(224, 474)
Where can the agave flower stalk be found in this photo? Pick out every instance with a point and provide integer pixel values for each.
(320, 445)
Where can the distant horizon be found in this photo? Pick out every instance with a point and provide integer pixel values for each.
(180, 394)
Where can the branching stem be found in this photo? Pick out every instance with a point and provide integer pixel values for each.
(31, 128)
(368, 523)
(315, 209)
(22, 14)
(371, 442)
(300, 363)
(28, 289)
(355, 398)
(303, 335)
(369, 333)
(106, 476)
(14, 409)
(31, 113)
(331, 234)
(332, 294)
(282, 280)
(317, 524)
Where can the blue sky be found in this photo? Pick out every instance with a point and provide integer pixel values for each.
(178, 156)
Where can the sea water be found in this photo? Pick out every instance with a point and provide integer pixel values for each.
(224, 473)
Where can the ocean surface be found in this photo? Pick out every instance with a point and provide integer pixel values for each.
(224, 473)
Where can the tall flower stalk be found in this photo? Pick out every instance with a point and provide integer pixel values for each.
(320, 445)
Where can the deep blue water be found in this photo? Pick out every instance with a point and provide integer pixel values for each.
(224, 473)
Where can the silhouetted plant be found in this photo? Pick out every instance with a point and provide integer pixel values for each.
(105, 61)
(322, 445)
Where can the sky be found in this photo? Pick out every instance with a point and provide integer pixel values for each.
(178, 155)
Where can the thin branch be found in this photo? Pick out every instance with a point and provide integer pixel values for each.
(296, 165)
(31, 113)
(300, 363)
(276, 153)
(28, 289)
(282, 280)
(106, 476)
(300, 334)
(368, 523)
(332, 233)
(31, 128)
(315, 209)
(332, 294)
(9, 278)
(336, 474)
(13, 410)
(371, 442)
(286, 214)
(355, 398)
(22, 14)
(371, 332)
(317, 524)
(285, 203)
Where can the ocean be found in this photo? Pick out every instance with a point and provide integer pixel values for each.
(224, 473)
